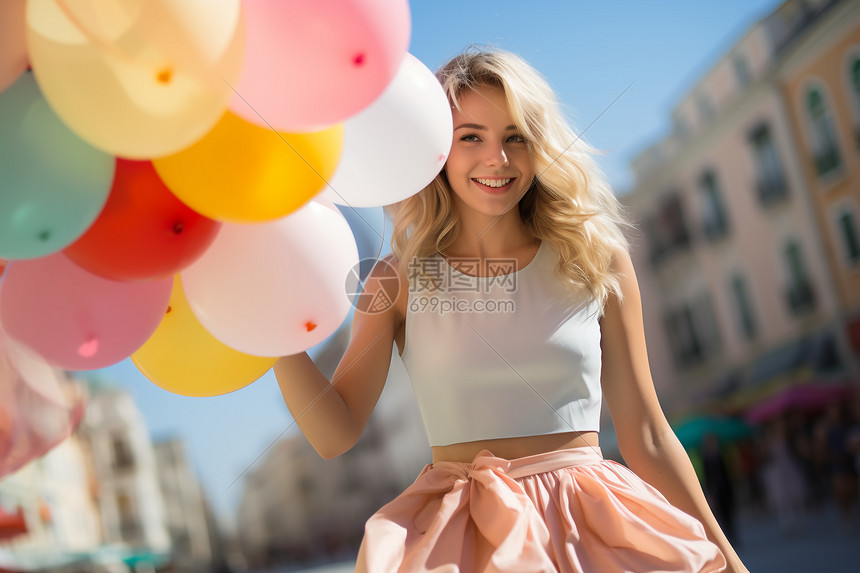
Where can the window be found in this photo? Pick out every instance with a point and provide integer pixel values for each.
(685, 342)
(847, 229)
(742, 70)
(825, 152)
(129, 524)
(703, 310)
(706, 107)
(123, 458)
(682, 126)
(714, 214)
(800, 296)
(855, 96)
(306, 485)
(743, 307)
(692, 331)
(667, 229)
(770, 185)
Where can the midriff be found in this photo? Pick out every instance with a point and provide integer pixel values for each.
(512, 448)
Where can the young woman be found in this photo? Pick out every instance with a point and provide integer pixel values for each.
(519, 310)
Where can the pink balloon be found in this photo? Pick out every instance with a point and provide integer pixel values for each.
(75, 319)
(13, 41)
(312, 63)
(276, 288)
(39, 405)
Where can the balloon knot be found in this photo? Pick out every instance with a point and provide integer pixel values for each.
(169, 308)
(309, 325)
(164, 76)
(45, 235)
(358, 60)
(178, 227)
(89, 348)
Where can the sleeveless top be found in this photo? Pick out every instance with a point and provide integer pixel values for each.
(508, 355)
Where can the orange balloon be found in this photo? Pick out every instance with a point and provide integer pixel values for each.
(242, 173)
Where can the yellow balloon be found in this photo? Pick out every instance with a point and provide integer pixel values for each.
(137, 78)
(183, 358)
(242, 173)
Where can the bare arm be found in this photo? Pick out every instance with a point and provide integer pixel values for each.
(645, 439)
(333, 415)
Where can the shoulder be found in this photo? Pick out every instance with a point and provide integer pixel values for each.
(625, 301)
(625, 273)
(386, 288)
(621, 263)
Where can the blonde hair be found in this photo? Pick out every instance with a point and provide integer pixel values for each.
(570, 204)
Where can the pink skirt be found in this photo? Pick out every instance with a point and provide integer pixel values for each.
(567, 510)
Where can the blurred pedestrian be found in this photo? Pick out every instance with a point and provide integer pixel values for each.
(784, 482)
(719, 486)
(840, 462)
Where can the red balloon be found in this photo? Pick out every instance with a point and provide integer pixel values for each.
(144, 231)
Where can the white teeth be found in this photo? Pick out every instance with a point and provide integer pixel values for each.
(493, 182)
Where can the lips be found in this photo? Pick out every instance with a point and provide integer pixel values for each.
(494, 185)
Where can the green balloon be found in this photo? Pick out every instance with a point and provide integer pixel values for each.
(53, 185)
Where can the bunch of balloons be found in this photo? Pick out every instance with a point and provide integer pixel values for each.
(168, 168)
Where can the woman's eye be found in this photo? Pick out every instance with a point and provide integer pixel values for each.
(516, 139)
(470, 137)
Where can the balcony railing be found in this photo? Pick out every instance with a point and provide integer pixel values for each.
(772, 190)
(716, 228)
(661, 251)
(826, 161)
(800, 298)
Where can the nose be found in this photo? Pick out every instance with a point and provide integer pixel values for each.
(496, 155)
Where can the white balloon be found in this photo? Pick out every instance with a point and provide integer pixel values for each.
(396, 146)
(276, 288)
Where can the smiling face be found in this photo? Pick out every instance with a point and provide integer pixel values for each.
(489, 167)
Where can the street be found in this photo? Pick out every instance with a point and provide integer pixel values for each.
(821, 545)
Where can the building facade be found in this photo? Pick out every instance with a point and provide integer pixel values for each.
(108, 496)
(123, 460)
(820, 78)
(193, 536)
(741, 298)
(54, 496)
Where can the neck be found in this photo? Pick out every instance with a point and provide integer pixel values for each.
(485, 236)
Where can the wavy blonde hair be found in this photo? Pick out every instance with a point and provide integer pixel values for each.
(569, 205)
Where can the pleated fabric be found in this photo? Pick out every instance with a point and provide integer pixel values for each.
(567, 511)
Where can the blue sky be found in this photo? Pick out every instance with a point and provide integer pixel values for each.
(590, 52)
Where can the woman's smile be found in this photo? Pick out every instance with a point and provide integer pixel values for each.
(495, 186)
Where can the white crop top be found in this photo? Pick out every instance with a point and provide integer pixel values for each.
(502, 356)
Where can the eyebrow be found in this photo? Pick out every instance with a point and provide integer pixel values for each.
(481, 127)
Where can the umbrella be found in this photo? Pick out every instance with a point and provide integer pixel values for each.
(691, 431)
(807, 398)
